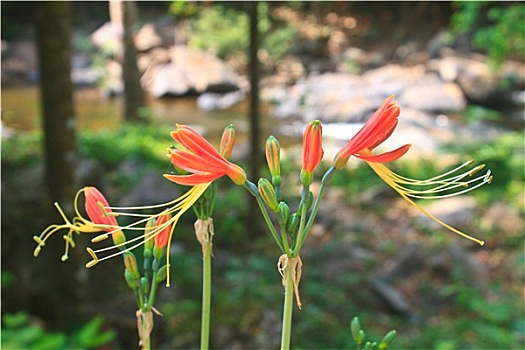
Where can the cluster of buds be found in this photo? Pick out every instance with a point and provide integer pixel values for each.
(144, 286)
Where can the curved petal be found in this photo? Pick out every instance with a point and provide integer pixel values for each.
(195, 143)
(193, 179)
(194, 163)
(387, 156)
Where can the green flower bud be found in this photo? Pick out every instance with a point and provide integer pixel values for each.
(131, 265)
(144, 285)
(387, 340)
(355, 327)
(273, 157)
(161, 274)
(148, 243)
(267, 193)
(293, 223)
(130, 280)
(284, 211)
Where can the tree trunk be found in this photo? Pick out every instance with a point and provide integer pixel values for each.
(133, 94)
(254, 217)
(255, 132)
(53, 34)
(59, 289)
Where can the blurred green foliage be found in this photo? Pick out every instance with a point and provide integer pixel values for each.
(223, 29)
(247, 287)
(495, 27)
(19, 331)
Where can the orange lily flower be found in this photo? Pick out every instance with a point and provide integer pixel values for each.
(375, 131)
(196, 155)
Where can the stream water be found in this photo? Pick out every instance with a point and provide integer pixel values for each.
(21, 112)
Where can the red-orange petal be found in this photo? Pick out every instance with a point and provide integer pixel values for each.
(386, 157)
(94, 211)
(193, 179)
(162, 237)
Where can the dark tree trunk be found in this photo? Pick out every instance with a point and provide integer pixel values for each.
(54, 287)
(53, 34)
(254, 217)
(133, 94)
(255, 132)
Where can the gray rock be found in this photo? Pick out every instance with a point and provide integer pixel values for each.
(209, 101)
(394, 299)
(191, 71)
(147, 38)
(433, 95)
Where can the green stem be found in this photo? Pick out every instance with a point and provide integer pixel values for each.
(301, 233)
(287, 310)
(253, 190)
(206, 298)
(152, 292)
(315, 208)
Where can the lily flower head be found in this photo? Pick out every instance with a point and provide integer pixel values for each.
(194, 154)
(375, 131)
(100, 219)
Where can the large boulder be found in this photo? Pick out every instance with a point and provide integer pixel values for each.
(433, 95)
(483, 85)
(188, 72)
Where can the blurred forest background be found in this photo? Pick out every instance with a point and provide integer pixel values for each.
(91, 90)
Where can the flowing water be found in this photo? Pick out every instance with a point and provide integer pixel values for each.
(21, 112)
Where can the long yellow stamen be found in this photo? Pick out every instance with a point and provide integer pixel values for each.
(180, 205)
(394, 180)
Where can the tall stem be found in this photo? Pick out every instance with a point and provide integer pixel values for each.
(287, 310)
(206, 298)
(147, 344)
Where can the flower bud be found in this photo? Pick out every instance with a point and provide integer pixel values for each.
(148, 240)
(355, 327)
(144, 285)
(130, 280)
(131, 265)
(312, 146)
(267, 193)
(163, 226)
(273, 158)
(293, 223)
(227, 141)
(284, 211)
(161, 274)
(387, 340)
